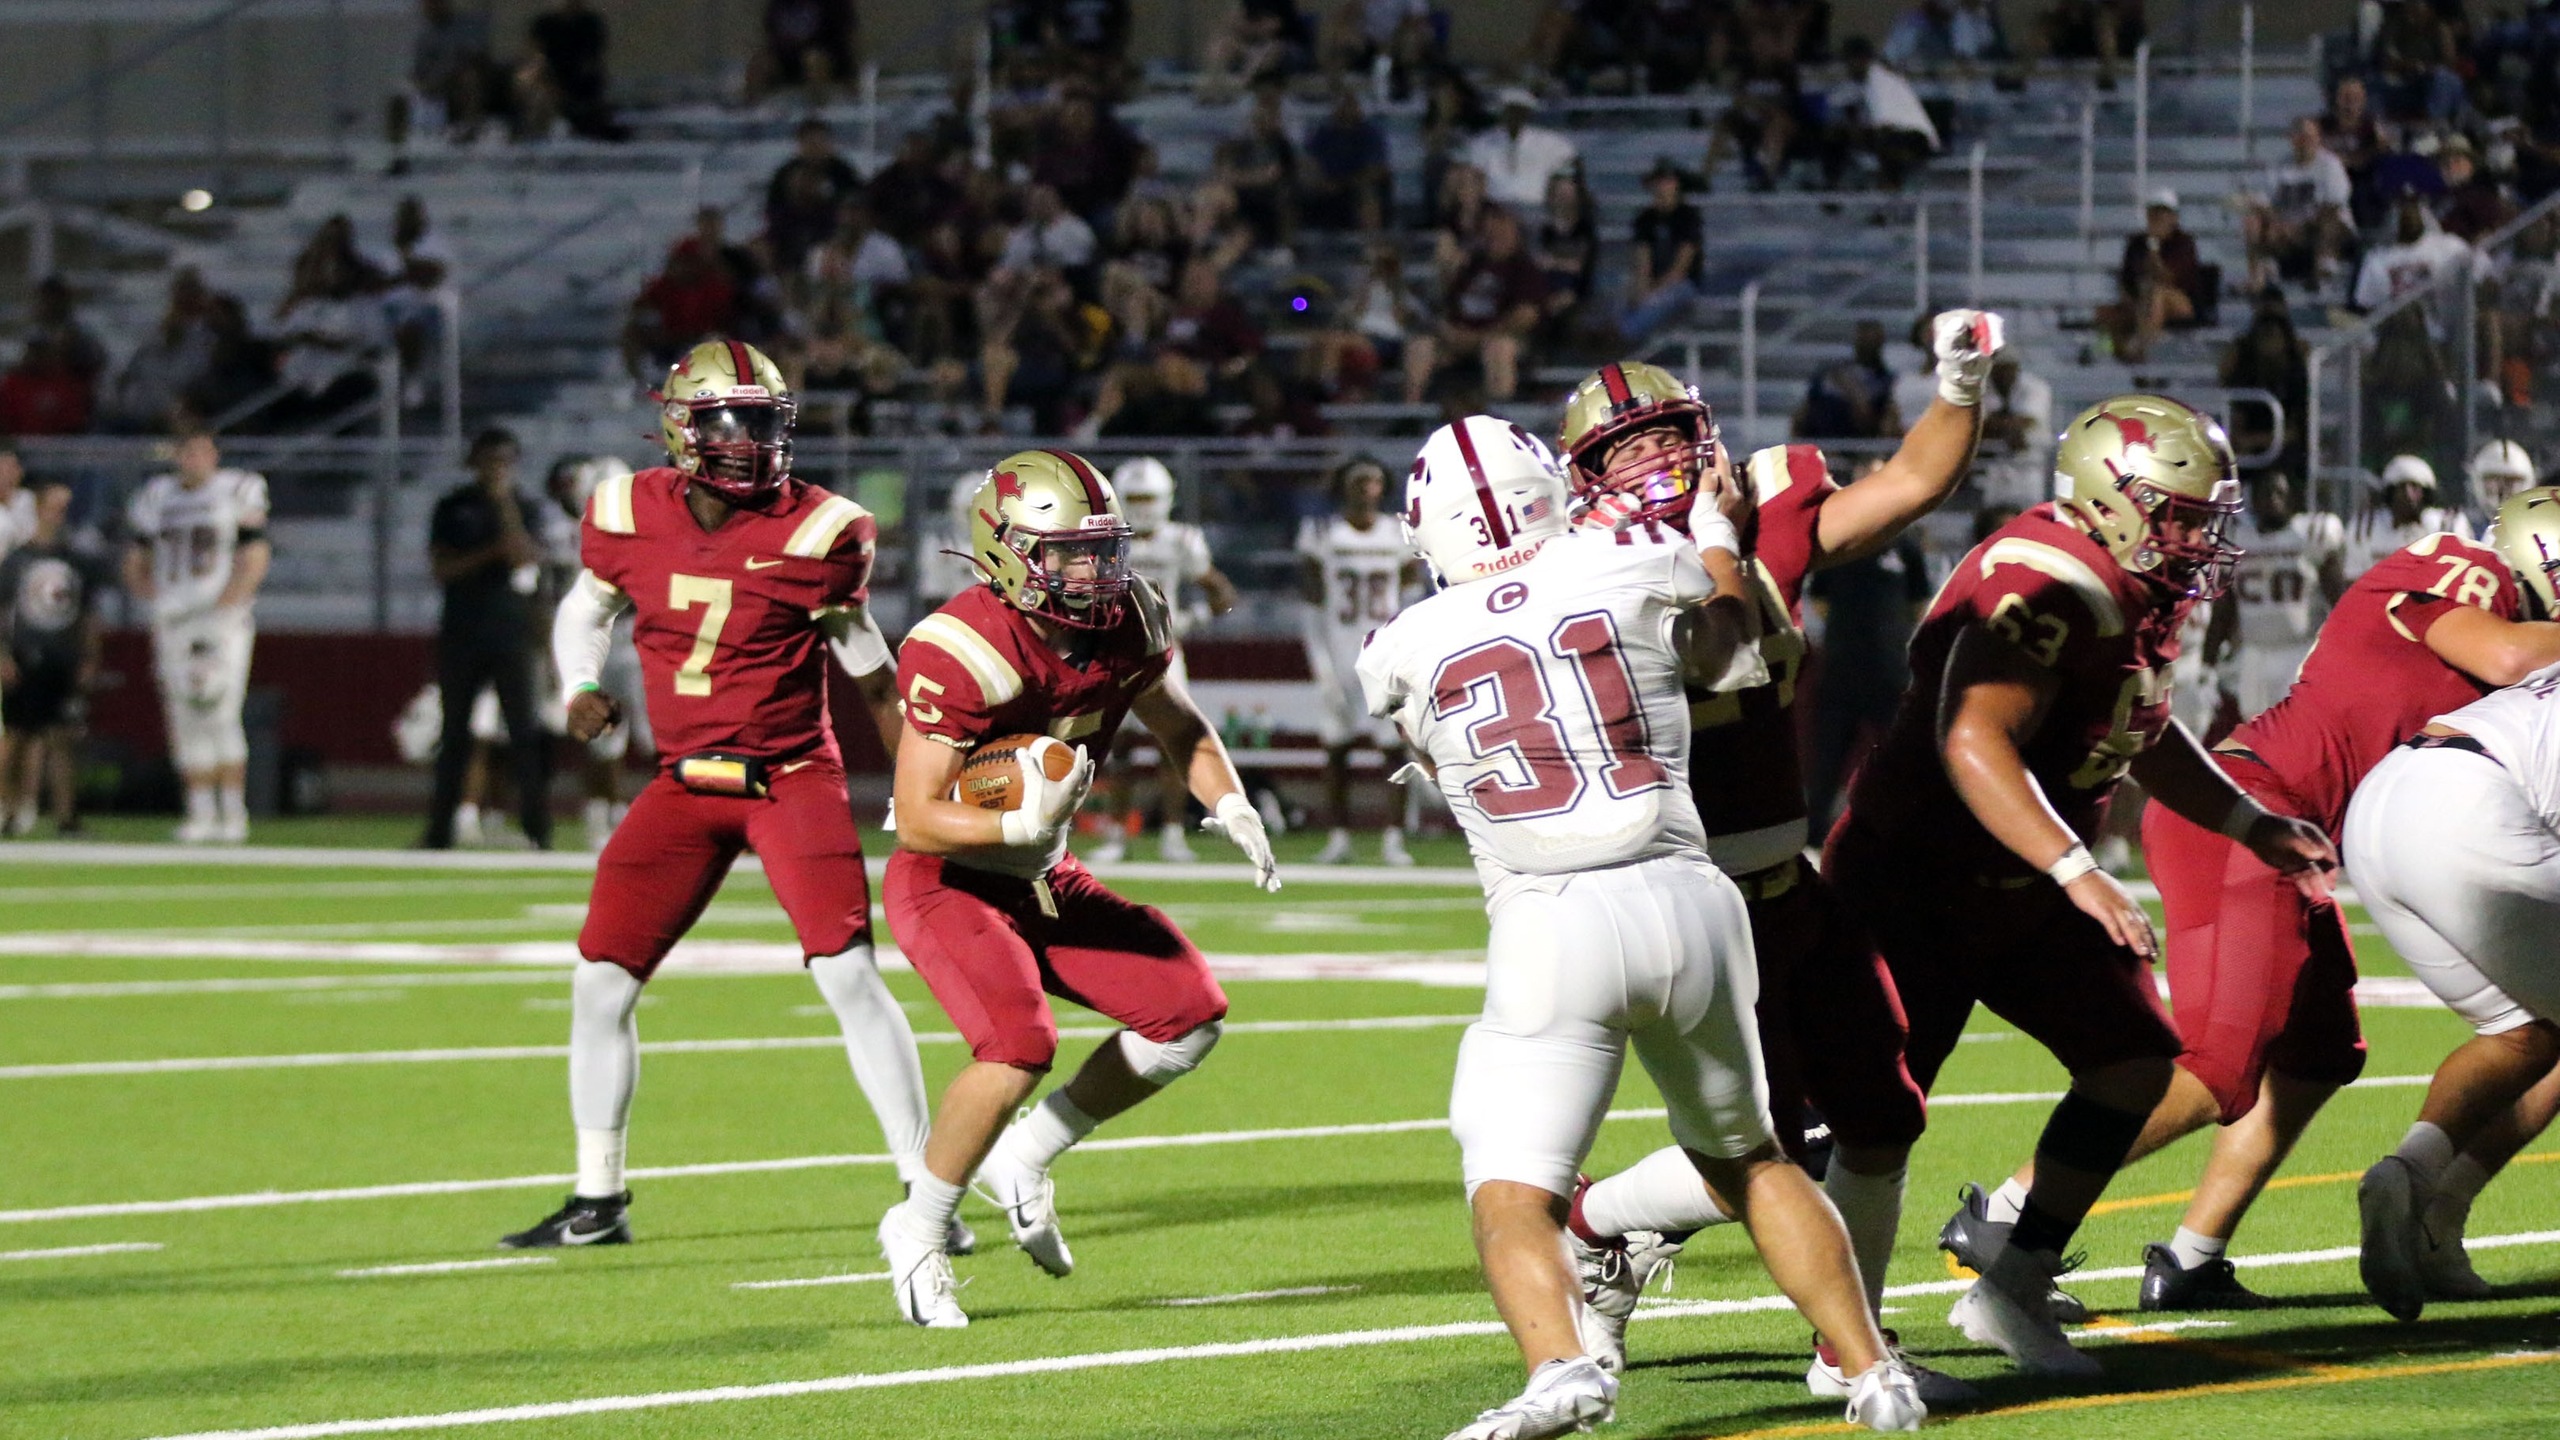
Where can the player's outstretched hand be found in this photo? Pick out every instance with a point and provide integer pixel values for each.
(2298, 850)
(1964, 342)
(591, 713)
(2104, 899)
(1236, 819)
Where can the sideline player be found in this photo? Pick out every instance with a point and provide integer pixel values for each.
(736, 575)
(1353, 571)
(1174, 556)
(2039, 679)
(1642, 445)
(200, 552)
(2261, 976)
(2290, 565)
(1059, 640)
(1542, 690)
(2455, 843)
(2401, 512)
(50, 649)
(2499, 471)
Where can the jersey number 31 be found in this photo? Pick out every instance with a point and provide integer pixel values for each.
(1523, 721)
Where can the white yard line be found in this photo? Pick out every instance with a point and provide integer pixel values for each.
(812, 1280)
(144, 892)
(1110, 1360)
(190, 1065)
(445, 1267)
(1247, 1297)
(267, 984)
(66, 1252)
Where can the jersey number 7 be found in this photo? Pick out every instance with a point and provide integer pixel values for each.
(693, 677)
(1523, 721)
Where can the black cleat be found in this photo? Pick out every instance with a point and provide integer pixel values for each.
(2214, 1285)
(584, 1220)
(1973, 1237)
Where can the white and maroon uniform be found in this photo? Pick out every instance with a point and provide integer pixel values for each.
(199, 646)
(1364, 574)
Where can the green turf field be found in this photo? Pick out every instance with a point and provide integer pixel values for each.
(223, 1140)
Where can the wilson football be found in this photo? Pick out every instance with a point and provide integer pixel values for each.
(991, 778)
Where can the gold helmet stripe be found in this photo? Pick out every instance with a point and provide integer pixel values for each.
(611, 506)
(998, 681)
(817, 534)
(2070, 569)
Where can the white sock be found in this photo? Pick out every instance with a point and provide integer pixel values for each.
(2192, 1249)
(201, 811)
(1040, 1137)
(1871, 1207)
(466, 820)
(931, 1202)
(604, 1069)
(1339, 836)
(882, 1047)
(2006, 1202)
(234, 802)
(1662, 1191)
(2427, 1149)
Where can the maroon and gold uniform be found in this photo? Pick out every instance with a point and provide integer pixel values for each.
(2259, 976)
(734, 664)
(991, 930)
(1959, 917)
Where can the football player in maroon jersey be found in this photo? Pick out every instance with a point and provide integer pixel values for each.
(2039, 678)
(1060, 640)
(2261, 976)
(1642, 446)
(737, 575)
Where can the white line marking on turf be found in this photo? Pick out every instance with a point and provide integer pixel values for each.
(445, 1267)
(1061, 1364)
(65, 1252)
(187, 1065)
(1246, 1297)
(126, 989)
(136, 894)
(812, 1280)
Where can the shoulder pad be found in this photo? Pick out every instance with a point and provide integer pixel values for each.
(823, 526)
(2058, 568)
(1155, 622)
(977, 656)
(1781, 468)
(610, 508)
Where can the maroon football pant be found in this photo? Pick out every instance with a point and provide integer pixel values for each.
(991, 946)
(1953, 941)
(1832, 1029)
(672, 850)
(2258, 975)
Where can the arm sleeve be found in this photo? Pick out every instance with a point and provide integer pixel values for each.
(582, 629)
(1690, 583)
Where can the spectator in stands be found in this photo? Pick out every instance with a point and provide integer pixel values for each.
(44, 394)
(1090, 39)
(331, 326)
(171, 361)
(1875, 112)
(1039, 347)
(1209, 326)
(2160, 281)
(2269, 356)
(1147, 251)
(449, 75)
(2102, 30)
(1050, 234)
(1261, 39)
(1590, 45)
(2473, 204)
(1764, 123)
(54, 316)
(2016, 456)
(1369, 334)
(941, 298)
(2349, 130)
(1206, 349)
(570, 43)
(1923, 38)
(1261, 167)
(2414, 54)
(756, 315)
(1452, 112)
(2299, 228)
(244, 363)
(1518, 158)
(483, 553)
(421, 270)
(2408, 162)
(808, 43)
(858, 278)
(802, 199)
(1668, 256)
(1345, 185)
(912, 191)
(1488, 309)
(2420, 257)
(1775, 33)
(1459, 231)
(1682, 42)
(51, 644)
(1568, 253)
(1359, 33)
(1211, 226)
(1853, 398)
(691, 298)
(1087, 155)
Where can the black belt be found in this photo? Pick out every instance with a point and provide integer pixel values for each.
(2423, 741)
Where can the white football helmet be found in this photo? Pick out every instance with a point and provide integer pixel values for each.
(1483, 497)
(2409, 470)
(2499, 469)
(1145, 489)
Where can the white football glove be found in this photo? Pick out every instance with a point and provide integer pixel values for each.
(1237, 820)
(1048, 806)
(1964, 342)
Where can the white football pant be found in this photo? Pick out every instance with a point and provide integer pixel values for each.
(2464, 879)
(1342, 714)
(2266, 672)
(203, 665)
(1657, 953)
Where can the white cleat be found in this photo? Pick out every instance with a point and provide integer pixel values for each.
(1613, 1277)
(1109, 852)
(1391, 848)
(2389, 1202)
(1827, 1381)
(1029, 1200)
(197, 832)
(1887, 1398)
(1564, 1398)
(2444, 1265)
(919, 1276)
(232, 832)
(2008, 1310)
(1337, 849)
(1173, 849)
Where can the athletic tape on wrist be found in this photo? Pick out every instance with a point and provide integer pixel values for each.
(2075, 862)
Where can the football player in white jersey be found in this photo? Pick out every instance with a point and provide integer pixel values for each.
(2400, 513)
(2293, 567)
(2454, 842)
(1174, 554)
(1354, 569)
(2499, 471)
(1542, 689)
(199, 554)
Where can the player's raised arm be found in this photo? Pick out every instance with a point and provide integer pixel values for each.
(1174, 718)
(1935, 454)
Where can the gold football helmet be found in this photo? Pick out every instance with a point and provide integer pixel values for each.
(2155, 483)
(1047, 532)
(2526, 533)
(1620, 401)
(726, 417)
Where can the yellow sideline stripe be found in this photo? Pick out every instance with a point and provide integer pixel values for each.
(2323, 1375)
(2286, 1182)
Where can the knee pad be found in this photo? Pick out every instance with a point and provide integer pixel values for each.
(1162, 1064)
